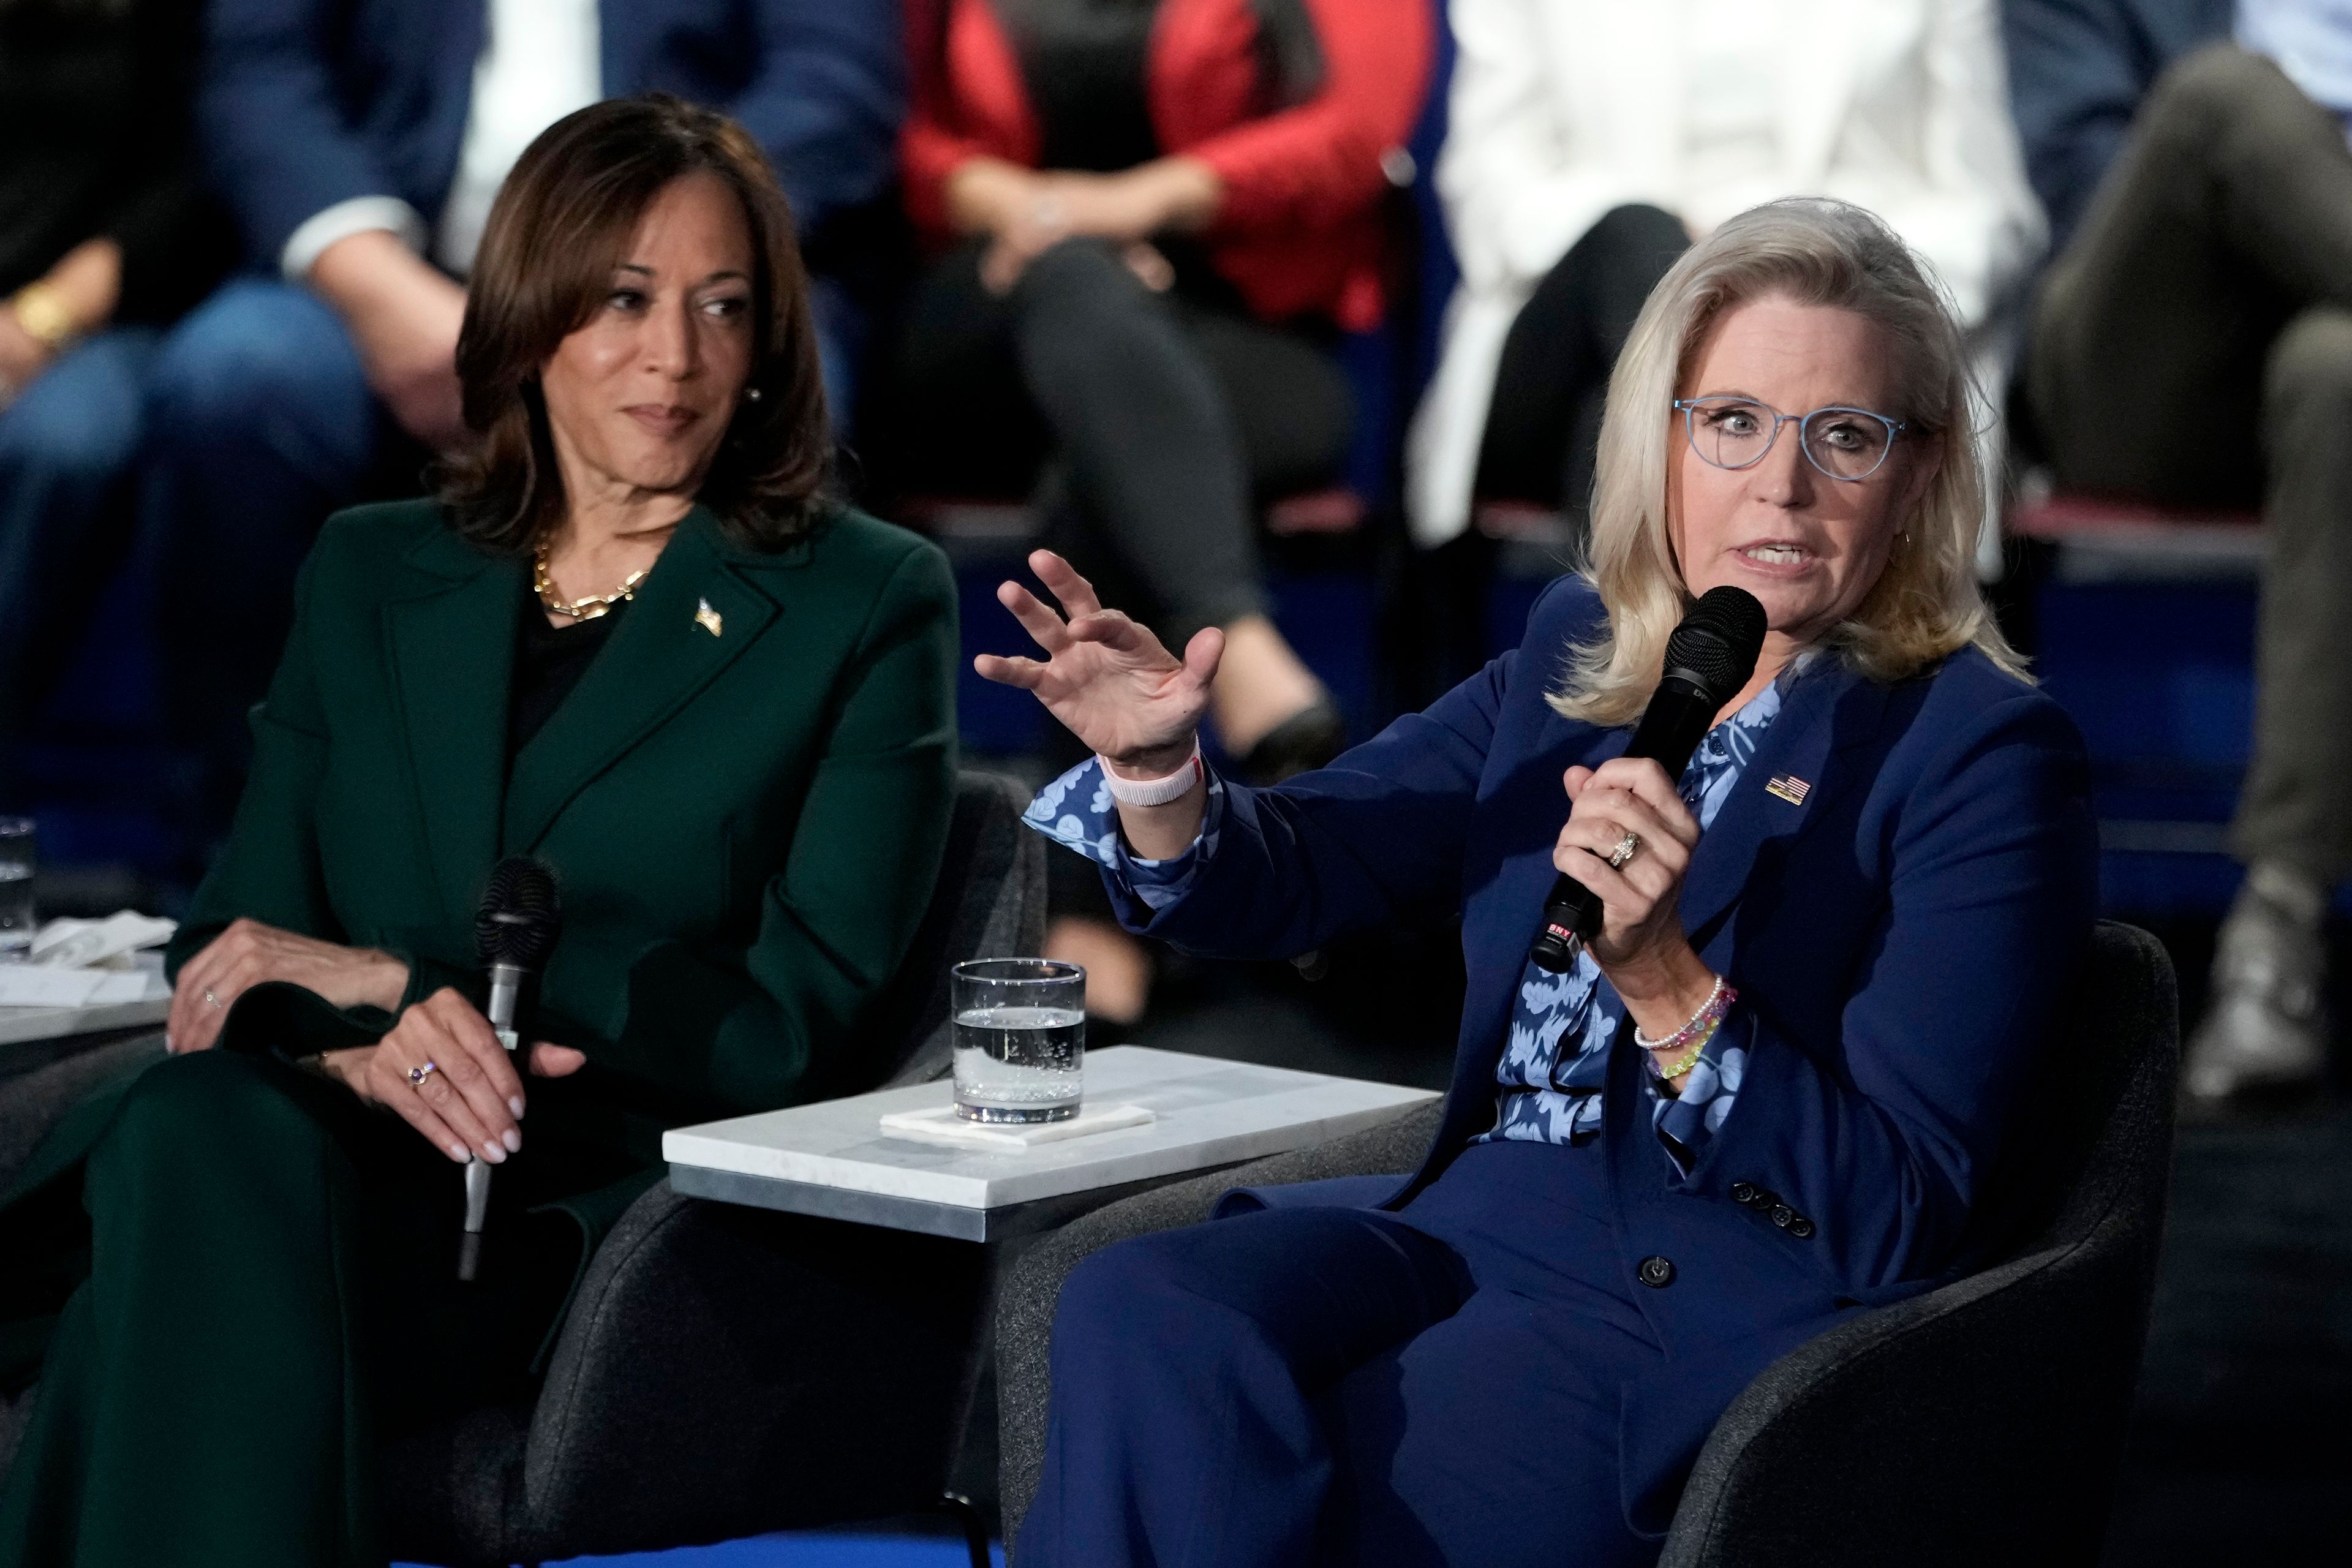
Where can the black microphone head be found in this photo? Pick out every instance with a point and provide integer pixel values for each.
(520, 915)
(1715, 647)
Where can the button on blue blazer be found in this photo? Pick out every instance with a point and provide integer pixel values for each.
(1899, 937)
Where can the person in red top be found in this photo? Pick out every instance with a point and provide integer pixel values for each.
(1149, 221)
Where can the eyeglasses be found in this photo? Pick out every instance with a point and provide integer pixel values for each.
(1846, 444)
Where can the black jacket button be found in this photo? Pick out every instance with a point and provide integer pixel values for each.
(1657, 1273)
(1782, 1216)
(1743, 1192)
(1800, 1227)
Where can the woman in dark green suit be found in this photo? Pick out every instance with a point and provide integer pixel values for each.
(631, 639)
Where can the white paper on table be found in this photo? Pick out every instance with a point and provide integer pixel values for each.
(69, 944)
(942, 1125)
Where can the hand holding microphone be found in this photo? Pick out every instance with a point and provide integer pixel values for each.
(1709, 658)
(444, 1068)
(515, 934)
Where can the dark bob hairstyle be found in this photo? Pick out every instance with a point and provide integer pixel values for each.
(558, 228)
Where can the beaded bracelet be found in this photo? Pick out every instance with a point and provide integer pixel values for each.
(1695, 1034)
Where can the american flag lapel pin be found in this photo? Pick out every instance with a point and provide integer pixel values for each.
(710, 619)
(1788, 787)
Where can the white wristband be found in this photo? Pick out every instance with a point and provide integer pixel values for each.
(1152, 791)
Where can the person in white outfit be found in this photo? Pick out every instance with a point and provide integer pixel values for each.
(1590, 140)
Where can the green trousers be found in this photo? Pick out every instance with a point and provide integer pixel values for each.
(270, 1295)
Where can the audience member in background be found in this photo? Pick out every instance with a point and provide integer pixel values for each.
(1152, 218)
(2193, 347)
(631, 638)
(105, 236)
(1766, 1093)
(360, 142)
(1590, 140)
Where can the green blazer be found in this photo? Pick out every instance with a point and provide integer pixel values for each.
(745, 798)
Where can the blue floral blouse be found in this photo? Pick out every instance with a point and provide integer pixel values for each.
(1552, 1069)
(1563, 1025)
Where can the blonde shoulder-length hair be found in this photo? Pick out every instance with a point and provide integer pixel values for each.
(1925, 603)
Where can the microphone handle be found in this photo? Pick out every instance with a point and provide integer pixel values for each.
(1671, 729)
(506, 990)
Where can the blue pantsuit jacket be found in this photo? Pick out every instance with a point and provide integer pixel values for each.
(1899, 933)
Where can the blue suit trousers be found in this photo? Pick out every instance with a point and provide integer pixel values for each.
(1442, 1384)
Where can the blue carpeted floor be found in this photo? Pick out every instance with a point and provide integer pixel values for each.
(887, 1547)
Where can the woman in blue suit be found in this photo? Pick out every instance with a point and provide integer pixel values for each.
(1771, 1090)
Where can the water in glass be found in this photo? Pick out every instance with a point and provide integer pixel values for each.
(16, 867)
(1018, 1064)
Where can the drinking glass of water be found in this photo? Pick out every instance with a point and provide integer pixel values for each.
(17, 864)
(1019, 1039)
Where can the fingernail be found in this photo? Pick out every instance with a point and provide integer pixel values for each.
(461, 1153)
(512, 1140)
(494, 1154)
(515, 1106)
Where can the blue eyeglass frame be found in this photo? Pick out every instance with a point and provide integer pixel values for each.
(1689, 407)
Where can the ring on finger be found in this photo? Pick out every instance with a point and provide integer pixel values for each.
(1626, 848)
(417, 1075)
(213, 1001)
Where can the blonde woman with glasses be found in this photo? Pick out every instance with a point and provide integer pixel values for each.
(1769, 1089)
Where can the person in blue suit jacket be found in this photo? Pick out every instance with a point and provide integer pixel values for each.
(359, 143)
(1767, 1093)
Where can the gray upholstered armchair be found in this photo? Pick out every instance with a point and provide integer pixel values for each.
(683, 1405)
(1981, 1423)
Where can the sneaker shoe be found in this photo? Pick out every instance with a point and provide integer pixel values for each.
(2265, 1034)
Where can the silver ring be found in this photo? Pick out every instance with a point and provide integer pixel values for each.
(416, 1076)
(212, 1000)
(1627, 848)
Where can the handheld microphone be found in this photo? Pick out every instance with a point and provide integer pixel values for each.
(515, 931)
(1709, 657)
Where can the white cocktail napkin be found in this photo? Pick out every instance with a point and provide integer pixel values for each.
(91, 963)
(943, 1126)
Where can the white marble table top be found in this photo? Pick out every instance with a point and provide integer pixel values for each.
(18, 1025)
(834, 1158)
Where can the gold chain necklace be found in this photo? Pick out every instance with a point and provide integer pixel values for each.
(582, 609)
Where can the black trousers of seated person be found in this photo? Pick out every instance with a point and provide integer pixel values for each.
(1544, 425)
(1162, 418)
(2193, 346)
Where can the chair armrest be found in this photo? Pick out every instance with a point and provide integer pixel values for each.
(726, 1371)
(1025, 1303)
(33, 1100)
(1980, 1422)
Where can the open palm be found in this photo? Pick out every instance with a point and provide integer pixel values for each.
(1105, 677)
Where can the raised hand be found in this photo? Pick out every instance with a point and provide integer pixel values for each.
(1105, 677)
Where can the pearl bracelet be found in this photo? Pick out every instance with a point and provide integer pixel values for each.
(1702, 1023)
(1152, 791)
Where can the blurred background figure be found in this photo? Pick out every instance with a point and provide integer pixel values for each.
(1148, 220)
(2192, 347)
(105, 235)
(1589, 142)
(360, 142)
